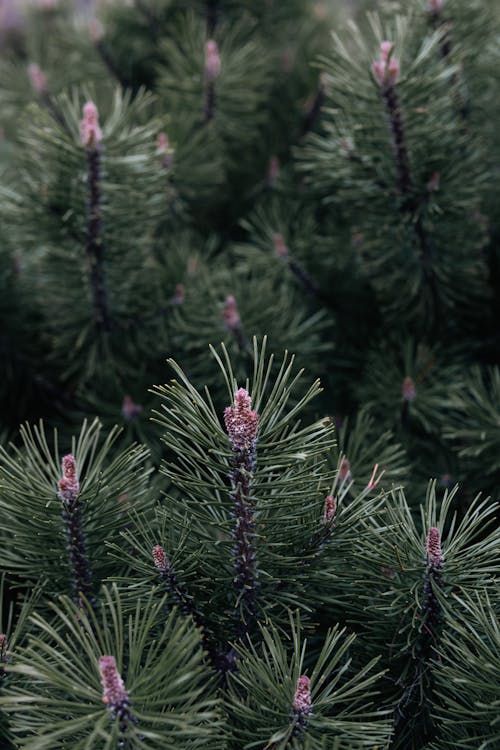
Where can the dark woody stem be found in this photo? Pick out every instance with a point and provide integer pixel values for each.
(242, 341)
(189, 609)
(111, 65)
(209, 110)
(94, 245)
(391, 101)
(405, 188)
(242, 465)
(431, 610)
(411, 706)
(212, 14)
(77, 551)
(313, 114)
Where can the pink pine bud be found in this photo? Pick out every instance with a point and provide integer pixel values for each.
(330, 508)
(3, 643)
(433, 547)
(241, 422)
(69, 486)
(212, 60)
(436, 6)
(162, 143)
(345, 470)
(179, 295)
(114, 694)
(130, 410)
(37, 77)
(90, 132)
(160, 559)
(279, 246)
(302, 697)
(433, 184)
(374, 480)
(96, 30)
(386, 69)
(273, 171)
(408, 389)
(231, 314)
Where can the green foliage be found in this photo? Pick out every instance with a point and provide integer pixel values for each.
(56, 695)
(31, 511)
(467, 676)
(261, 696)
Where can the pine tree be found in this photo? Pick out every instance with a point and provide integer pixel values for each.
(289, 566)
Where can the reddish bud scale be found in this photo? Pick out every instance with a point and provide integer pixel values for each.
(280, 247)
(345, 470)
(386, 69)
(69, 487)
(302, 697)
(330, 508)
(212, 60)
(241, 421)
(37, 77)
(408, 390)
(435, 6)
(179, 295)
(160, 559)
(433, 547)
(231, 315)
(130, 410)
(273, 171)
(90, 132)
(114, 693)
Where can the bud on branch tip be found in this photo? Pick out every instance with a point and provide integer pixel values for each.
(241, 421)
(114, 693)
(90, 132)
(433, 547)
(386, 68)
(302, 697)
(69, 486)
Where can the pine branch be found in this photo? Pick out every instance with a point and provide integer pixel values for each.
(94, 244)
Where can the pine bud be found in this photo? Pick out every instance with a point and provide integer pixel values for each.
(130, 410)
(273, 171)
(90, 132)
(212, 60)
(231, 314)
(179, 295)
(162, 143)
(433, 547)
(69, 486)
(279, 246)
(3, 647)
(433, 184)
(408, 389)
(163, 149)
(435, 6)
(330, 508)
(114, 694)
(160, 559)
(374, 480)
(37, 77)
(241, 422)
(96, 30)
(302, 697)
(386, 69)
(345, 470)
